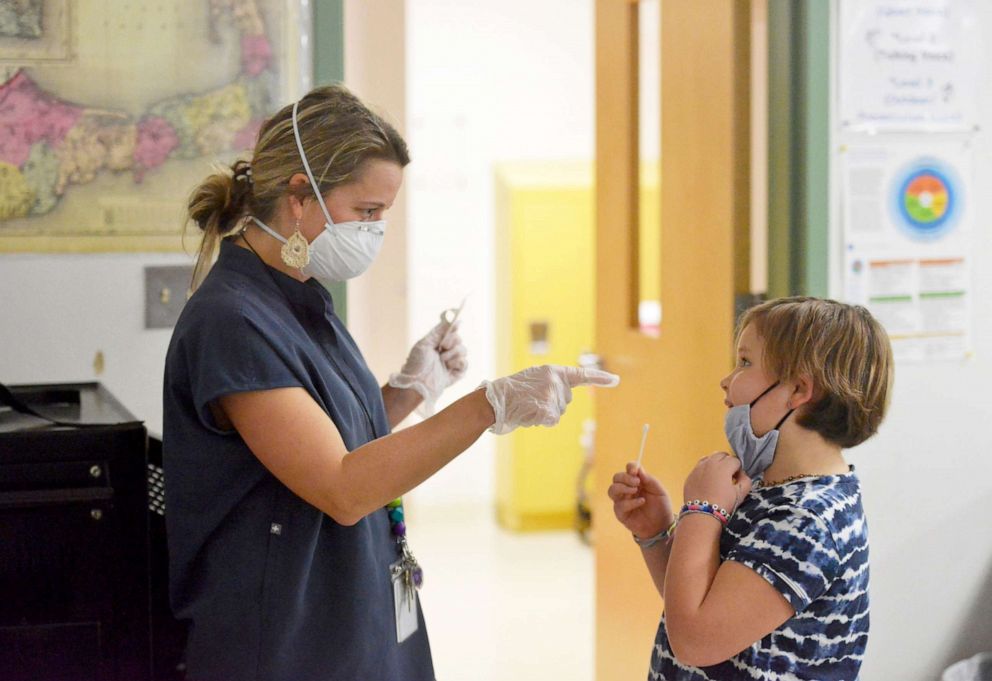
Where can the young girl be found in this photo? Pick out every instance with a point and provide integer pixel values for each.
(764, 571)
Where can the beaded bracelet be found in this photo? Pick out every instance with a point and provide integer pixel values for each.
(706, 508)
(661, 536)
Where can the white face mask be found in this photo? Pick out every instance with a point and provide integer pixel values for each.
(340, 252)
(343, 250)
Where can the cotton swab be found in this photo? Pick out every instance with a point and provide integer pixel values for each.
(451, 323)
(644, 437)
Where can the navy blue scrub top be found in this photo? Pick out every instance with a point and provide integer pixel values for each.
(273, 588)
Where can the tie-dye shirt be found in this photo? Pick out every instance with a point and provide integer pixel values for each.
(809, 540)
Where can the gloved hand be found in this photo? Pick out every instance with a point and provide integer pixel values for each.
(435, 362)
(538, 395)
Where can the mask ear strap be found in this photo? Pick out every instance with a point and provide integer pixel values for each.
(767, 390)
(306, 166)
(779, 424)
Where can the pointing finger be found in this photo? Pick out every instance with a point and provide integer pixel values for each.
(576, 376)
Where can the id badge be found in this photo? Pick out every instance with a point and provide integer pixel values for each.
(405, 602)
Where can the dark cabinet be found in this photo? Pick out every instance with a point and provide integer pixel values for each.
(76, 588)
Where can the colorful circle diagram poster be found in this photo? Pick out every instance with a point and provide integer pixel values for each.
(907, 243)
(927, 199)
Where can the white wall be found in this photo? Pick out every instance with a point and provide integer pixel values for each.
(58, 311)
(487, 82)
(927, 480)
(375, 70)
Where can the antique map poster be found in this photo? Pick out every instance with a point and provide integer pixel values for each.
(111, 111)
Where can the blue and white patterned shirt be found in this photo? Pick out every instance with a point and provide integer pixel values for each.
(809, 540)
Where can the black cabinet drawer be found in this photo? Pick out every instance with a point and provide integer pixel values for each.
(53, 652)
(54, 474)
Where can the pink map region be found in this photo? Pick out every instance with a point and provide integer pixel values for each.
(156, 140)
(256, 54)
(28, 115)
(244, 139)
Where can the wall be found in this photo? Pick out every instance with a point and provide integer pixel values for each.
(58, 311)
(374, 69)
(486, 82)
(927, 481)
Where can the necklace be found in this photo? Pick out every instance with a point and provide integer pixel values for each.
(407, 568)
(762, 484)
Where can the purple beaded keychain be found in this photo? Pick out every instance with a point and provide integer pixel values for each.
(413, 574)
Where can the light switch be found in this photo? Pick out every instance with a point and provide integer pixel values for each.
(165, 294)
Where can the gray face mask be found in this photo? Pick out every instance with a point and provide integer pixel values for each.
(756, 453)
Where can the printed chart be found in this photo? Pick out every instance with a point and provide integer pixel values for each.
(907, 235)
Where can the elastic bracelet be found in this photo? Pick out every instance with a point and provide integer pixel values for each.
(661, 536)
(706, 508)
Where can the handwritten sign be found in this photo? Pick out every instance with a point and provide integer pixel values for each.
(909, 65)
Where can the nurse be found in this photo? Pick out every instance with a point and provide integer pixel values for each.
(288, 552)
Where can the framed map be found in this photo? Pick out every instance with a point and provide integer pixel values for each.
(111, 111)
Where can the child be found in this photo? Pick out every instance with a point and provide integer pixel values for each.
(771, 581)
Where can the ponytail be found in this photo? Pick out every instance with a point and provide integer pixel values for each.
(216, 207)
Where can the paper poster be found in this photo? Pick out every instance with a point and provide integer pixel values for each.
(102, 142)
(907, 243)
(909, 65)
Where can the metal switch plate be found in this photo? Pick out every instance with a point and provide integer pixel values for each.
(165, 294)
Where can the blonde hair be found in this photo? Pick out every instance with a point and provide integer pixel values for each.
(338, 133)
(842, 349)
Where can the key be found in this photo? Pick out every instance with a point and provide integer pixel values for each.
(408, 584)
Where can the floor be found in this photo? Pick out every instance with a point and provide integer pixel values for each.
(501, 606)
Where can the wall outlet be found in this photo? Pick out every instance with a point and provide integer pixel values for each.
(165, 294)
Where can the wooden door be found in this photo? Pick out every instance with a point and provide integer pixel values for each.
(670, 381)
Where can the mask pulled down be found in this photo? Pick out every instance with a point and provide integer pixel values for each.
(756, 453)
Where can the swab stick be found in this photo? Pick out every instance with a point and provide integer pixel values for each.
(644, 437)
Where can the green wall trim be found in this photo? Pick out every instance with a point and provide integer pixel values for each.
(328, 41)
(814, 148)
(780, 133)
(798, 147)
(328, 67)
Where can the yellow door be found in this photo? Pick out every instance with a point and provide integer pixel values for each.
(670, 381)
(544, 283)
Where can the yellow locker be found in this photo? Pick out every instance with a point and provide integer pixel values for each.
(545, 297)
(545, 301)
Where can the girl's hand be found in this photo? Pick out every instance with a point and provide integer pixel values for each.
(640, 503)
(718, 479)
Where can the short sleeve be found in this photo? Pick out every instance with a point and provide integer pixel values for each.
(226, 353)
(792, 550)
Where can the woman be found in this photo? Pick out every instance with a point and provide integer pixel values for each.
(287, 544)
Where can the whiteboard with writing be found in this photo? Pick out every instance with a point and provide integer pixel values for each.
(908, 65)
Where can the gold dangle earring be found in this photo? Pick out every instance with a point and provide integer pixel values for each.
(296, 251)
